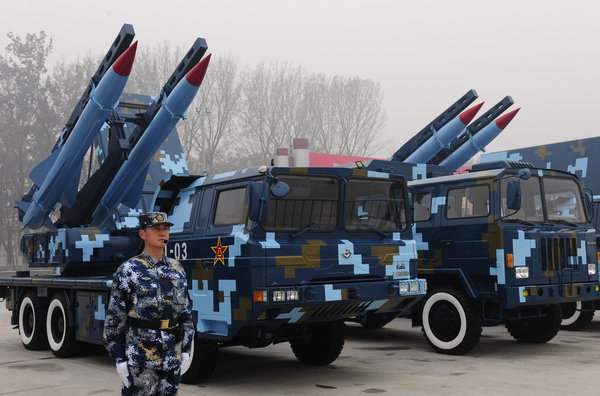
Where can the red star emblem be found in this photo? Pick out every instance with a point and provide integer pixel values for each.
(219, 252)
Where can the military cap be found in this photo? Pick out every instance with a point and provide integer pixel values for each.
(152, 219)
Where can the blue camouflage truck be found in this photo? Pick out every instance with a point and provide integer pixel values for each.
(577, 157)
(271, 254)
(505, 243)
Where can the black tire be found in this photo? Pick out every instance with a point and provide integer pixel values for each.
(203, 359)
(376, 321)
(537, 330)
(577, 315)
(59, 327)
(32, 322)
(451, 323)
(322, 346)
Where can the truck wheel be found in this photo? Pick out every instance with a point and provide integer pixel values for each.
(323, 345)
(203, 358)
(537, 330)
(32, 322)
(577, 315)
(450, 322)
(60, 330)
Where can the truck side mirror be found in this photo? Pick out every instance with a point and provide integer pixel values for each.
(513, 195)
(258, 201)
(280, 189)
(588, 197)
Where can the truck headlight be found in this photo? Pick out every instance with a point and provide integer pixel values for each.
(279, 295)
(293, 295)
(522, 272)
(403, 288)
(414, 287)
(591, 269)
(286, 295)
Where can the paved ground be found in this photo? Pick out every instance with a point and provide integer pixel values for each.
(395, 361)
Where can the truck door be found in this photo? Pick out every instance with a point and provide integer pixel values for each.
(464, 232)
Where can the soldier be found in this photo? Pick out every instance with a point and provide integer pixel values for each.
(148, 329)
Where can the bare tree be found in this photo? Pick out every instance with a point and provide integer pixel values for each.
(153, 65)
(343, 115)
(269, 117)
(27, 125)
(212, 116)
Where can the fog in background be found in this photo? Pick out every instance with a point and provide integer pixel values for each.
(425, 54)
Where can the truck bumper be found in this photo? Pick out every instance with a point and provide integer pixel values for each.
(317, 303)
(517, 296)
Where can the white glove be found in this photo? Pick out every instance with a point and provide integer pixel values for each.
(123, 373)
(185, 358)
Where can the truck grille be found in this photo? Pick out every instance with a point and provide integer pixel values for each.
(556, 253)
(337, 309)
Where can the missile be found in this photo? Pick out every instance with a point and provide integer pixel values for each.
(442, 138)
(438, 123)
(126, 188)
(477, 142)
(58, 175)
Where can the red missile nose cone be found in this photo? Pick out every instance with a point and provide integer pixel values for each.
(503, 121)
(466, 116)
(124, 63)
(196, 75)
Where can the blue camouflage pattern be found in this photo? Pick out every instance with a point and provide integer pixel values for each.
(146, 382)
(473, 249)
(148, 289)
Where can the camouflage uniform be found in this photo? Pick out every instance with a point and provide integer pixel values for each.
(147, 289)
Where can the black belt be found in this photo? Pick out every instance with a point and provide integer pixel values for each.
(156, 324)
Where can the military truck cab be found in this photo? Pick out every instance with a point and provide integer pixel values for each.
(505, 243)
(288, 254)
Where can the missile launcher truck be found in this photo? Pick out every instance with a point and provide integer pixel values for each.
(506, 243)
(577, 157)
(271, 254)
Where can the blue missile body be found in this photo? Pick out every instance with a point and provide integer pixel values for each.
(477, 142)
(58, 175)
(127, 186)
(443, 137)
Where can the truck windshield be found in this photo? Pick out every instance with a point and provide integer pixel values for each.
(562, 199)
(376, 205)
(311, 205)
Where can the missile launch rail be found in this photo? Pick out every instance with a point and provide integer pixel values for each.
(271, 254)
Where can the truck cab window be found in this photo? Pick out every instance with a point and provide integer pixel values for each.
(312, 202)
(531, 201)
(422, 206)
(563, 200)
(230, 205)
(471, 201)
(374, 204)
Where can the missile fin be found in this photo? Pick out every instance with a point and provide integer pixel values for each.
(39, 173)
(23, 205)
(134, 193)
(69, 193)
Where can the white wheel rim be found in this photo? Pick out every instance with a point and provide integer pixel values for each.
(573, 318)
(184, 368)
(56, 304)
(24, 304)
(443, 296)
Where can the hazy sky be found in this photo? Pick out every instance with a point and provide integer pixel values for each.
(425, 53)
